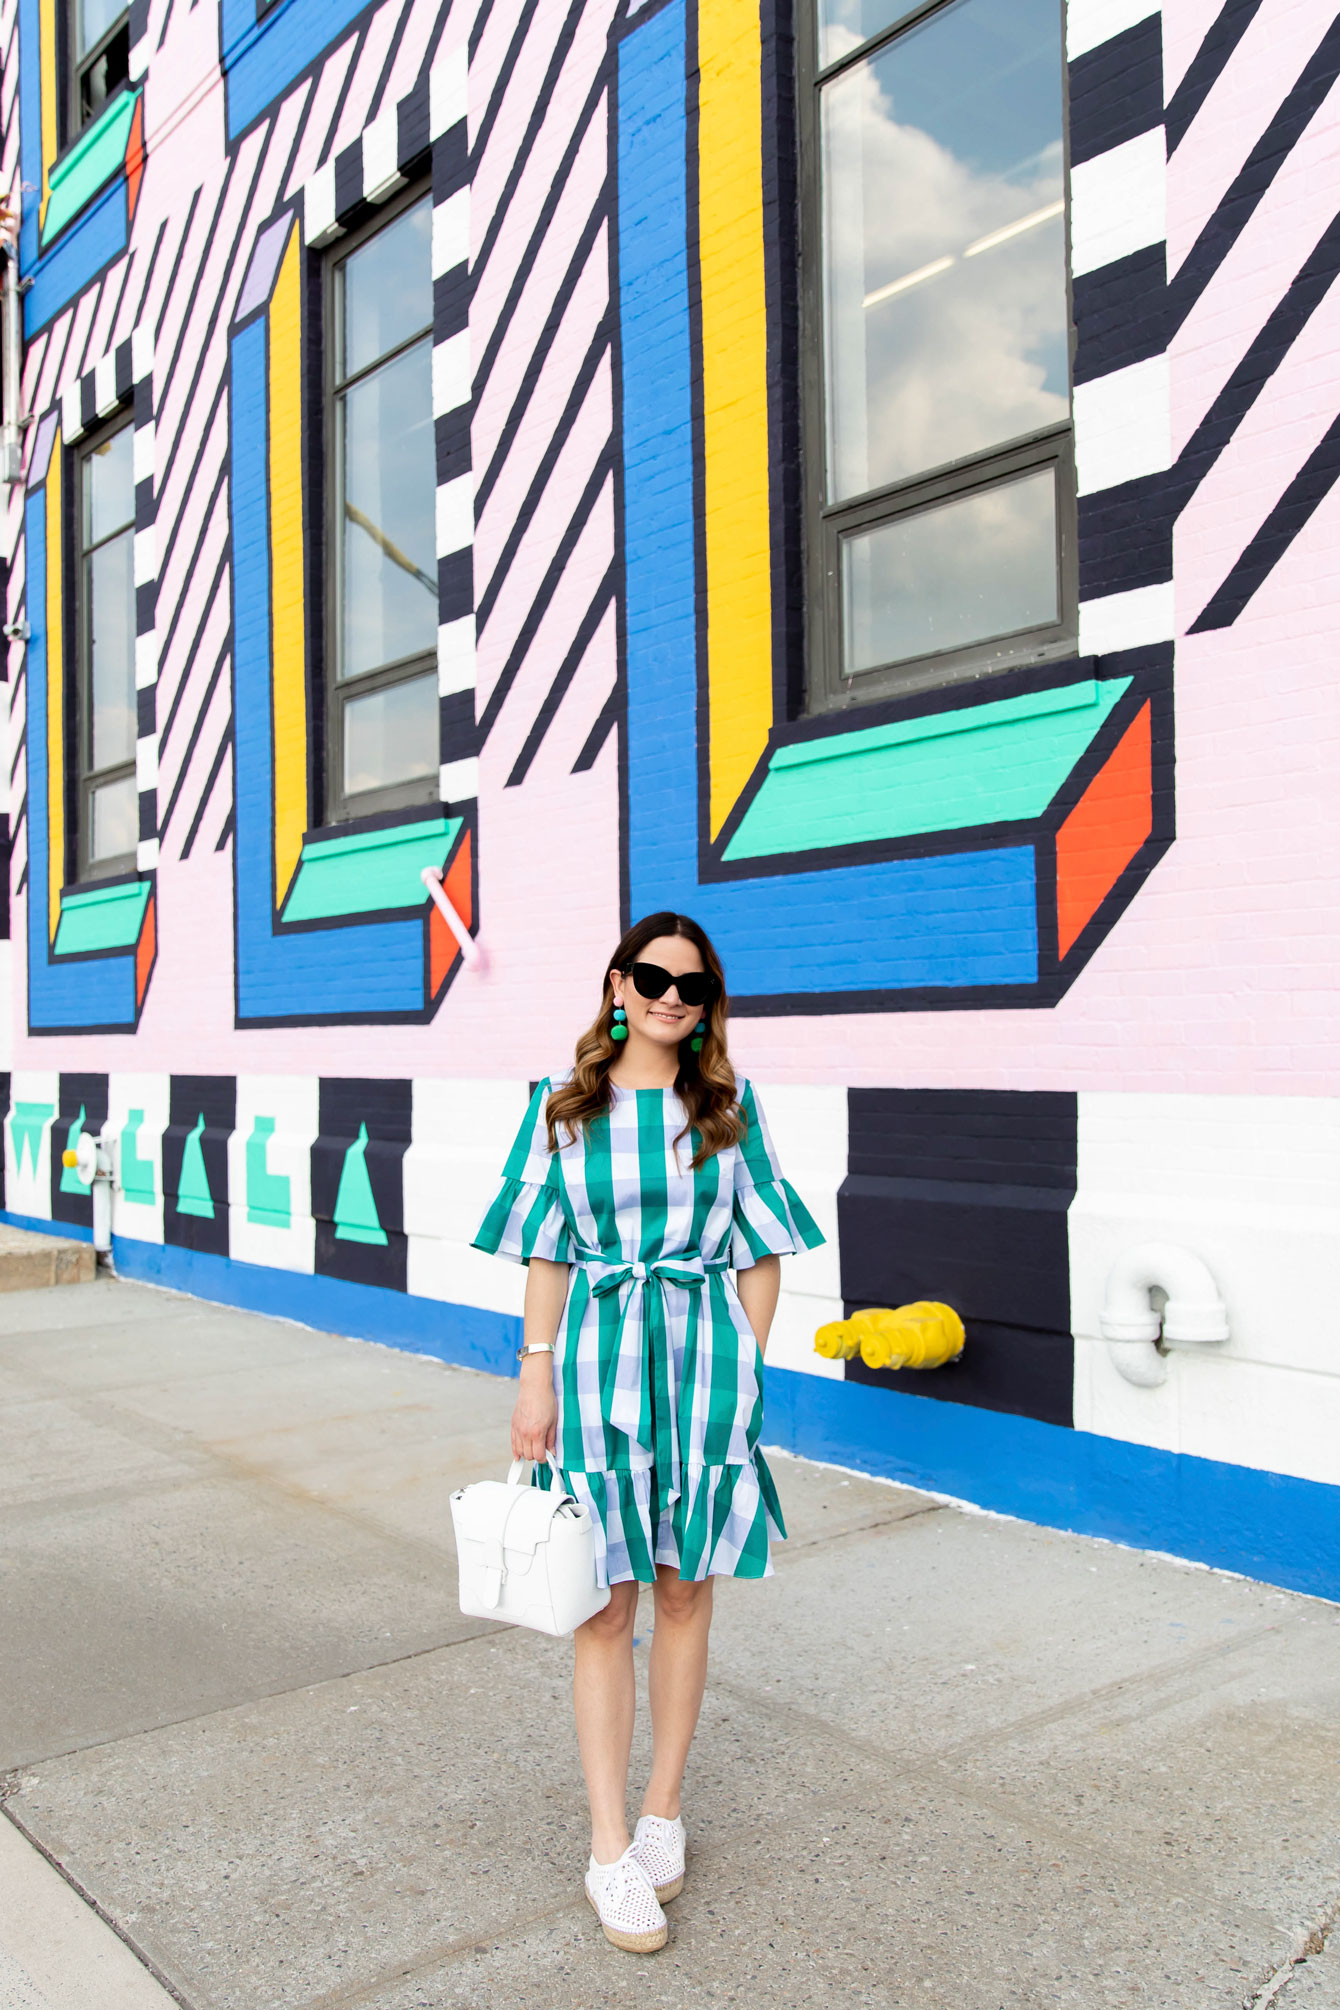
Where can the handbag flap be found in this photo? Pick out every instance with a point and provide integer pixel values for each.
(481, 1512)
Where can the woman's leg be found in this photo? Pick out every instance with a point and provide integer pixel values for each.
(678, 1675)
(602, 1700)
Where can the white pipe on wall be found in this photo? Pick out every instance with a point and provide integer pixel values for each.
(1193, 1315)
(11, 370)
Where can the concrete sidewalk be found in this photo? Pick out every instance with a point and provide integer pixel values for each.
(946, 1762)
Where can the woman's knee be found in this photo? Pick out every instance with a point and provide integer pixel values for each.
(678, 1600)
(615, 1618)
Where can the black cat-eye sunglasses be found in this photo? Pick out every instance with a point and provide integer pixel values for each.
(695, 987)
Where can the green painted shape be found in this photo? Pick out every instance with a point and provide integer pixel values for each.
(269, 1194)
(356, 1217)
(193, 1194)
(137, 1174)
(986, 764)
(369, 871)
(27, 1123)
(101, 917)
(70, 1181)
(94, 158)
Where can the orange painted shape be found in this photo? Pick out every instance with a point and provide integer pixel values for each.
(456, 885)
(145, 951)
(443, 948)
(134, 157)
(1104, 831)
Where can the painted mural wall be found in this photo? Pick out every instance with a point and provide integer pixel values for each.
(1029, 970)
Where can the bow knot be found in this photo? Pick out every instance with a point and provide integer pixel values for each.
(638, 1386)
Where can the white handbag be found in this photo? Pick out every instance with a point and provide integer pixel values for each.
(526, 1556)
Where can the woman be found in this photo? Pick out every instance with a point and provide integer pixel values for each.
(634, 1186)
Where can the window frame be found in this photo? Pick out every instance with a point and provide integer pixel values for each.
(88, 870)
(337, 807)
(827, 690)
(75, 67)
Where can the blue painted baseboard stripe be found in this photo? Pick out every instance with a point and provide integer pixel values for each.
(1266, 1525)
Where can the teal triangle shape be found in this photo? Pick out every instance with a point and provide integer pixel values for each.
(27, 1123)
(356, 1217)
(70, 1181)
(193, 1194)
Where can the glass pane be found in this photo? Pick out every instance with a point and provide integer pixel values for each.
(105, 76)
(963, 571)
(387, 287)
(845, 24)
(944, 244)
(111, 630)
(92, 20)
(388, 545)
(109, 487)
(391, 735)
(114, 820)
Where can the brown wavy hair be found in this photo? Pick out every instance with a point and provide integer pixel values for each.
(705, 1083)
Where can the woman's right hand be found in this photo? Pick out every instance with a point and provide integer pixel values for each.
(535, 1418)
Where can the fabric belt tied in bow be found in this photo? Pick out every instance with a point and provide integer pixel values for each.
(637, 1385)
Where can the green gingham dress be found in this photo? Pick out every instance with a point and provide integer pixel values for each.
(656, 1369)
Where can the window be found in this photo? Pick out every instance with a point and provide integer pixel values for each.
(108, 812)
(100, 46)
(382, 732)
(941, 491)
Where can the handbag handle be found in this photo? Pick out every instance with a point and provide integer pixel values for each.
(518, 1466)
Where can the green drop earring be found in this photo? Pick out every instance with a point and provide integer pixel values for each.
(696, 1043)
(619, 1030)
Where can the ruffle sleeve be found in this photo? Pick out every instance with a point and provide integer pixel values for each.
(526, 1218)
(770, 1218)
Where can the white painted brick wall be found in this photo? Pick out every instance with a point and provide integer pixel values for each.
(1251, 1184)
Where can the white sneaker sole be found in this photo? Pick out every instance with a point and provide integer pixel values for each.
(631, 1943)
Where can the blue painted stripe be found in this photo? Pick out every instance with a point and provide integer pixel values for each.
(100, 992)
(347, 972)
(76, 257)
(262, 60)
(1266, 1525)
(460, 1334)
(30, 127)
(968, 918)
(69, 1231)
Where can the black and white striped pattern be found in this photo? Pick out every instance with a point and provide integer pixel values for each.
(121, 378)
(368, 171)
(1128, 134)
(1122, 402)
(541, 331)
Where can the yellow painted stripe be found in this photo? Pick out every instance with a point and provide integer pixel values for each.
(55, 694)
(287, 623)
(735, 395)
(50, 122)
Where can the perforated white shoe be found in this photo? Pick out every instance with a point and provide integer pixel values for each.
(626, 1904)
(658, 1845)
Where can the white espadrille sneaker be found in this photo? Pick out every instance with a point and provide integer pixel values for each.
(658, 1845)
(626, 1904)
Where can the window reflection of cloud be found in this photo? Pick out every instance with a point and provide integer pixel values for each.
(978, 566)
(977, 354)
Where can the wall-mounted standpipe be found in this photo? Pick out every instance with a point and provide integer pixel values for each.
(471, 954)
(1194, 1315)
(93, 1162)
(12, 421)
